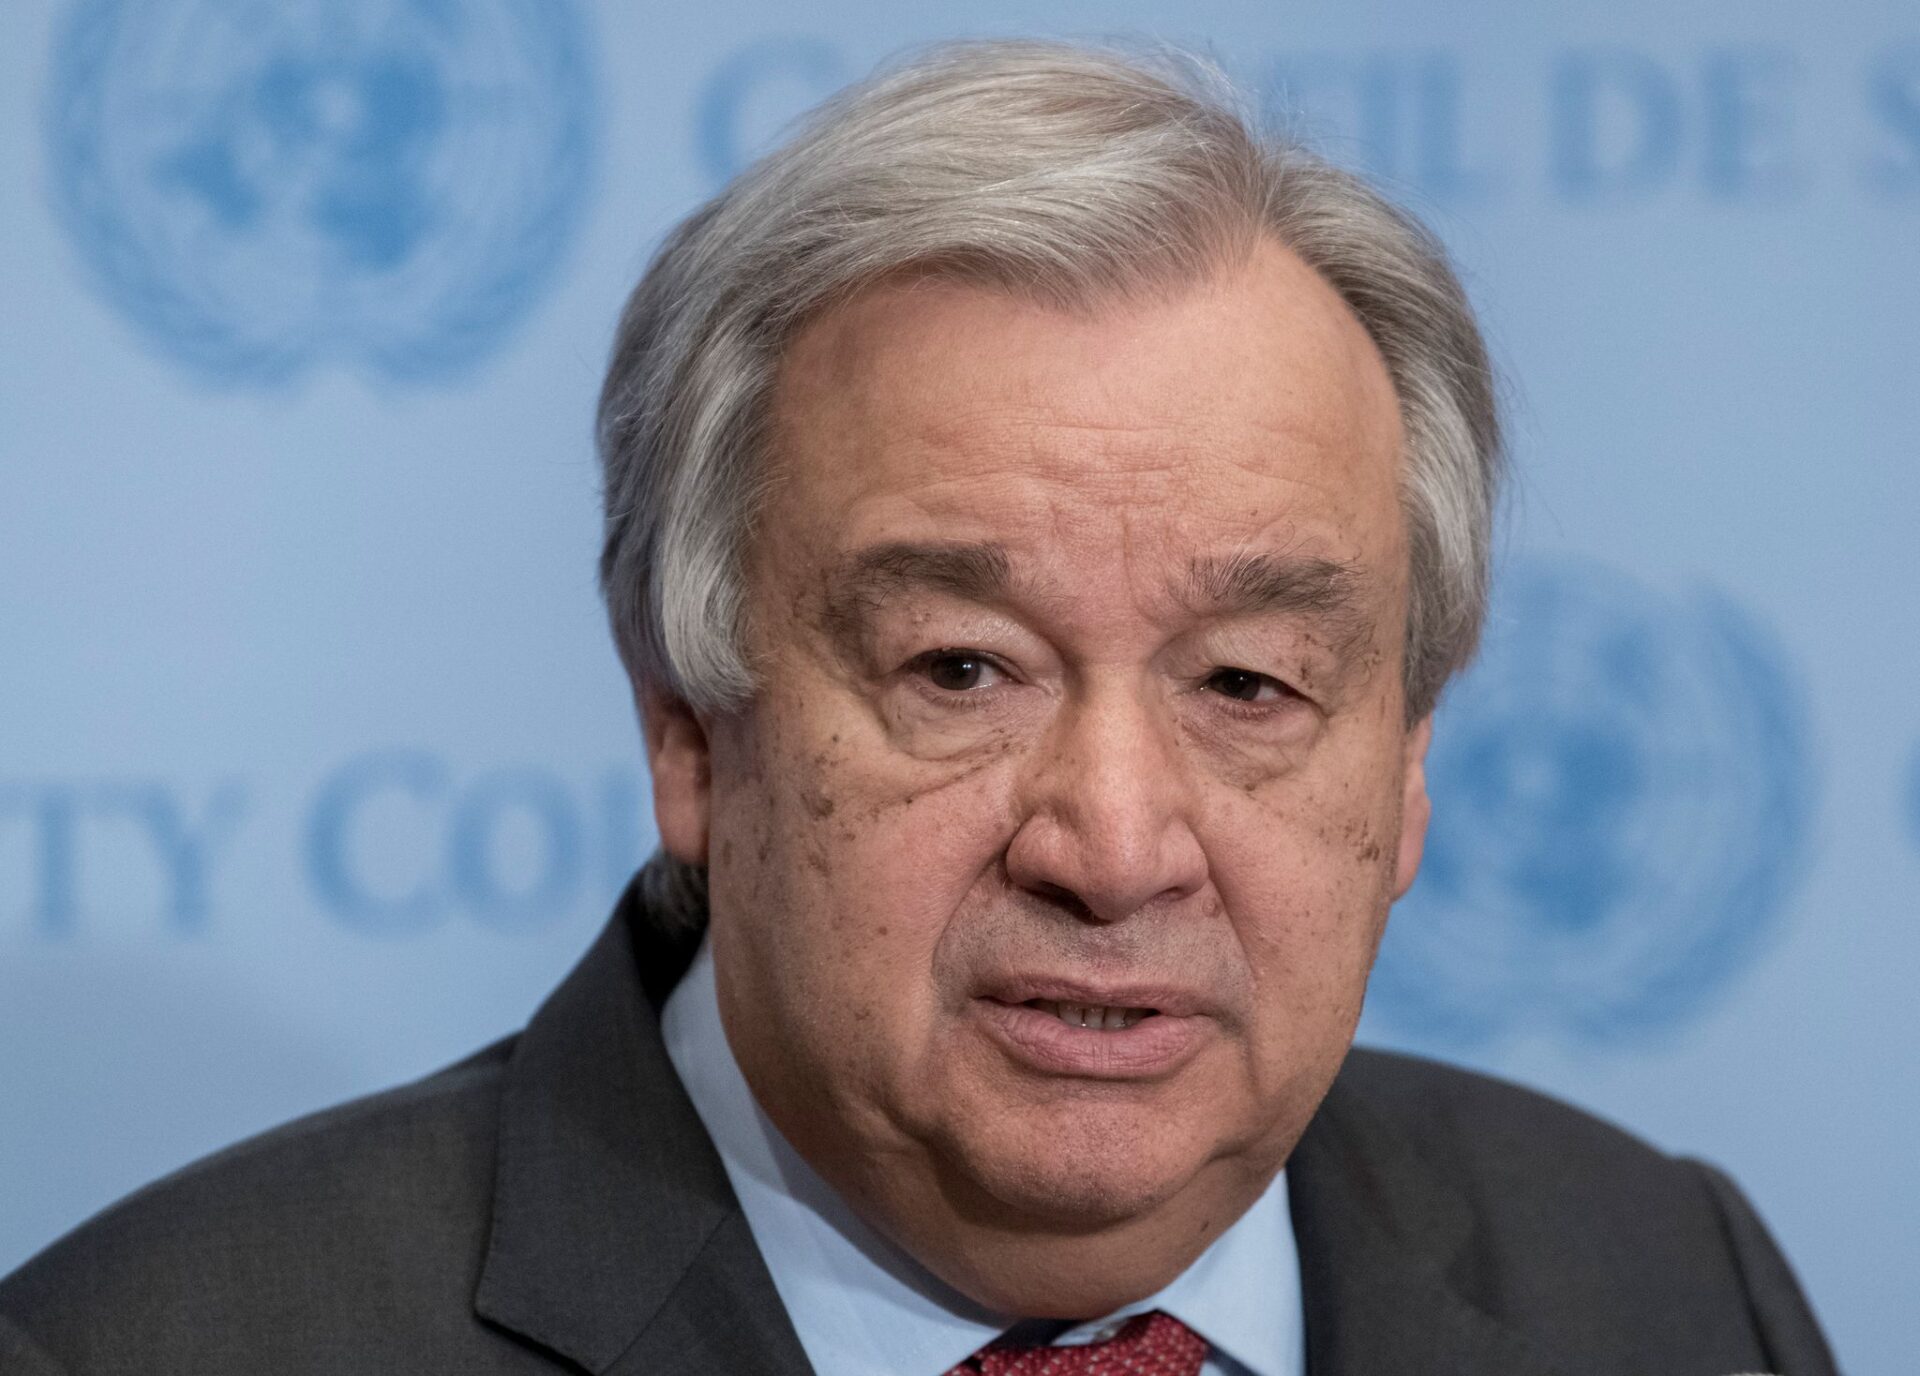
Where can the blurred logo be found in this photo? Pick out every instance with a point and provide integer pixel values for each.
(755, 93)
(265, 187)
(1621, 793)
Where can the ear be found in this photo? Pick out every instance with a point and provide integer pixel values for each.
(1416, 809)
(679, 758)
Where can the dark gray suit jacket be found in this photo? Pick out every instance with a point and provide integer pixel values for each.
(553, 1204)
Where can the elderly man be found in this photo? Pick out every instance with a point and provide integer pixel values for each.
(1040, 519)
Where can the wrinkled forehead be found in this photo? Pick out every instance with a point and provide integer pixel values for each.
(1247, 414)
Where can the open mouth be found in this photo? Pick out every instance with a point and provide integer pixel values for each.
(1091, 1016)
(1139, 1041)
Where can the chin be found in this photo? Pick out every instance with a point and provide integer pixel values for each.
(1094, 1171)
(1066, 1237)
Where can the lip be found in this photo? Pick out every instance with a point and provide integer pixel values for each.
(1163, 999)
(1150, 1049)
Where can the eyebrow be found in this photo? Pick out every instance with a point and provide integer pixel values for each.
(1323, 590)
(1248, 582)
(978, 571)
(975, 572)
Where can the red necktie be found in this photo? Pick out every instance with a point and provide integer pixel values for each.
(1153, 1344)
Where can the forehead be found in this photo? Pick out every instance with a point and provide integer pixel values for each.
(1247, 409)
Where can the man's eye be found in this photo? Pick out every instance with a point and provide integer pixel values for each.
(1243, 685)
(958, 671)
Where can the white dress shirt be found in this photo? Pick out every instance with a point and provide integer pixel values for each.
(860, 1305)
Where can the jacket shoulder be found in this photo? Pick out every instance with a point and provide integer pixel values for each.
(1480, 1120)
(1576, 1223)
(376, 1209)
(1519, 1158)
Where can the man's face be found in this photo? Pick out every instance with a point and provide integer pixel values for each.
(1048, 863)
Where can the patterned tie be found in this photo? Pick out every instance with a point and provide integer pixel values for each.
(1153, 1344)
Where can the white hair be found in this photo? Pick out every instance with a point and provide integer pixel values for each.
(1064, 173)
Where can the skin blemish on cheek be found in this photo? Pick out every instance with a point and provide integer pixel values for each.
(959, 777)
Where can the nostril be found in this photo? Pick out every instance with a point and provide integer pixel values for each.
(1069, 903)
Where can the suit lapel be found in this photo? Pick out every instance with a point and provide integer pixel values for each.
(723, 1317)
(616, 1239)
(1378, 1232)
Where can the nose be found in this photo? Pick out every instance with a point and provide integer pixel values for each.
(1107, 811)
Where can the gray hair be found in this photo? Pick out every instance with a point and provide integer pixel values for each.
(1067, 174)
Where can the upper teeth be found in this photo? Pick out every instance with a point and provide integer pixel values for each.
(1091, 1015)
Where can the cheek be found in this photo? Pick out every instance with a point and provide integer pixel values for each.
(1306, 875)
(842, 877)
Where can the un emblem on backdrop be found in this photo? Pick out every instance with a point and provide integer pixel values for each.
(1621, 794)
(264, 187)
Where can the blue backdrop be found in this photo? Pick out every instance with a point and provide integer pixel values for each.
(316, 767)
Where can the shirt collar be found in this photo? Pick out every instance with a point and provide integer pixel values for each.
(860, 1304)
